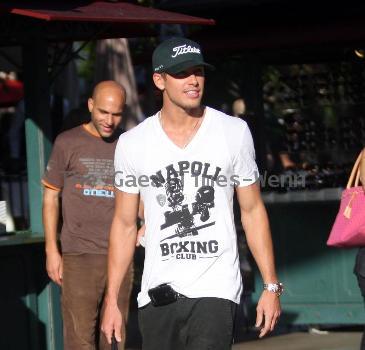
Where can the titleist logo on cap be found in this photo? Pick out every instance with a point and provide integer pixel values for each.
(180, 50)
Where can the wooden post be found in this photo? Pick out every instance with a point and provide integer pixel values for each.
(38, 143)
(37, 124)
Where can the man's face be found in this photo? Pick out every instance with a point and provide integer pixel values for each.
(184, 89)
(106, 112)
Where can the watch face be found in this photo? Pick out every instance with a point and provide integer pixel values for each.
(279, 290)
(275, 288)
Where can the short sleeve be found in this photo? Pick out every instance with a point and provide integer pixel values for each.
(56, 167)
(244, 164)
(126, 178)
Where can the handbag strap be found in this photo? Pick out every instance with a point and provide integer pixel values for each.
(355, 173)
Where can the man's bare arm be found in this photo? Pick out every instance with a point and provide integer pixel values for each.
(256, 226)
(122, 242)
(51, 207)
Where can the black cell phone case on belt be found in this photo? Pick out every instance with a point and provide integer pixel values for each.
(162, 295)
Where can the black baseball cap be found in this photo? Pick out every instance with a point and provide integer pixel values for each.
(174, 55)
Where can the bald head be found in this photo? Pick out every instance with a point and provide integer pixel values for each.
(106, 106)
(239, 107)
(108, 87)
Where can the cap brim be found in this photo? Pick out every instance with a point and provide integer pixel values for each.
(180, 67)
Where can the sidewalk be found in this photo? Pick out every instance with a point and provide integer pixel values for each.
(305, 341)
(299, 341)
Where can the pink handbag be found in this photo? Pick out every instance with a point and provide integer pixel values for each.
(349, 227)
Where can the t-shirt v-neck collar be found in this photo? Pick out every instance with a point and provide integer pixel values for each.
(171, 144)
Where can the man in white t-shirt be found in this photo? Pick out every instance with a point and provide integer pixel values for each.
(185, 163)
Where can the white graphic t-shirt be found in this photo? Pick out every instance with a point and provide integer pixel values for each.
(190, 239)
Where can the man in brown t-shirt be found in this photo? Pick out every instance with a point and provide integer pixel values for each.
(81, 172)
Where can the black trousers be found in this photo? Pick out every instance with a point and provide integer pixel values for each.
(188, 324)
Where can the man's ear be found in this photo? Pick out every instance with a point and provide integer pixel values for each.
(159, 81)
(90, 104)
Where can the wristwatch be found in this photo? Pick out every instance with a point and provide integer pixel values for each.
(277, 288)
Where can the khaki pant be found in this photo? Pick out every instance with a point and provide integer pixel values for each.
(83, 287)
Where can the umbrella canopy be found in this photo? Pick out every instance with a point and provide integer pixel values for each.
(82, 20)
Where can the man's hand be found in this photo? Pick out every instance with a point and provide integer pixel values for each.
(112, 322)
(54, 267)
(267, 312)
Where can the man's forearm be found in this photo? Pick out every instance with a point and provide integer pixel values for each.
(50, 224)
(122, 243)
(256, 226)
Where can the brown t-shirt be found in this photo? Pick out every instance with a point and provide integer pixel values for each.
(81, 166)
